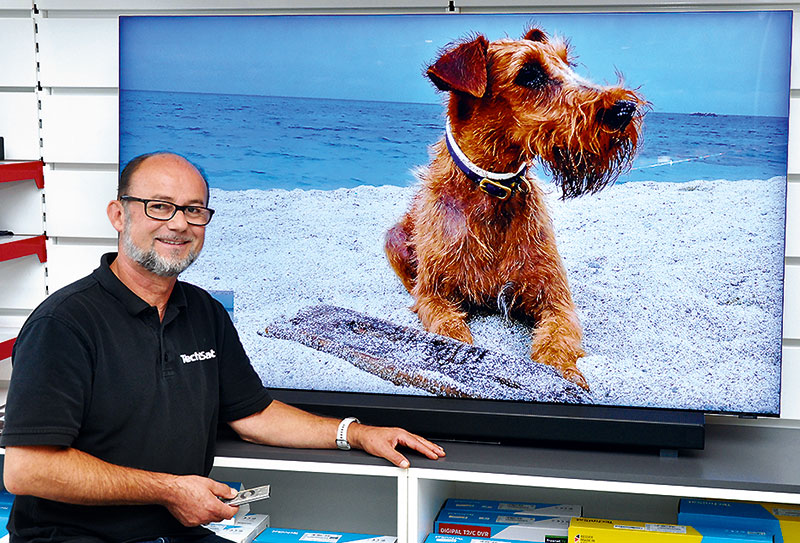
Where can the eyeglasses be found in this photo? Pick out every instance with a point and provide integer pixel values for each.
(164, 211)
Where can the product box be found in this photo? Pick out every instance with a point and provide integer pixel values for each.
(781, 520)
(4, 537)
(444, 538)
(491, 525)
(246, 529)
(589, 530)
(288, 535)
(513, 508)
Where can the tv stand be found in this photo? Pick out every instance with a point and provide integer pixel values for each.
(352, 491)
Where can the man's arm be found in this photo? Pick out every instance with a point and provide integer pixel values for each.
(282, 425)
(69, 475)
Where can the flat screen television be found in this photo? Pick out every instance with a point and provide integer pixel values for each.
(654, 145)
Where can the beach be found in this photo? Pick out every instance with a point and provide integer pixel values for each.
(678, 285)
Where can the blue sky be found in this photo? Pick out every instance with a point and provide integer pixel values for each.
(726, 63)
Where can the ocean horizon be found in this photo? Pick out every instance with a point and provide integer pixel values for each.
(265, 142)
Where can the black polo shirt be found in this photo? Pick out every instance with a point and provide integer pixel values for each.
(95, 369)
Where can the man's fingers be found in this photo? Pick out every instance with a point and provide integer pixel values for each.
(422, 445)
(384, 442)
(223, 491)
(396, 458)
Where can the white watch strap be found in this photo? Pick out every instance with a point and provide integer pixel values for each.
(341, 433)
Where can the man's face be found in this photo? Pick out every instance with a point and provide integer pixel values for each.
(165, 248)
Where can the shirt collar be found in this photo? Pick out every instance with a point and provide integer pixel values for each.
(126, 296)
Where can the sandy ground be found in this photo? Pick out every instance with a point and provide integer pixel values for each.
(677, 285)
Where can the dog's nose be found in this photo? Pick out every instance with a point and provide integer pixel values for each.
(617, 116)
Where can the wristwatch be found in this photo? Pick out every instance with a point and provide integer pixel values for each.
(341, 433)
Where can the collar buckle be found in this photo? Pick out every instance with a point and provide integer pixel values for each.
(502, 186)
(493, 188)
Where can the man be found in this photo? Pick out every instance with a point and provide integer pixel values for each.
(111, 407)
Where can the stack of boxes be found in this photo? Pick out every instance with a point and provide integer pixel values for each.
(283, 535)
(781, 521)
(510, 521)
(699, 521)
(584, 530)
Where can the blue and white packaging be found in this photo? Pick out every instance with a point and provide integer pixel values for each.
(493, 526)
(245, 530)
(780, 520)
(288, 535)
(713, 534)
(513, 508)
(444, 538)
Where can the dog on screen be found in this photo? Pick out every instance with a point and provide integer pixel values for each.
(478, 233)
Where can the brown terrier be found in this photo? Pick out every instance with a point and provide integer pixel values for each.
(475, 237)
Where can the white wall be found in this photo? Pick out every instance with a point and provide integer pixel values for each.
(76, 102)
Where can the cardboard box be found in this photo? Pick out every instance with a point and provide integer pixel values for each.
(587, 530)
(245, 530)
(781, 520)
(288, 535)
(491, 525)
(513, 508)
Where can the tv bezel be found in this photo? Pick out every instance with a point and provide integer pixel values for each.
(494, 421)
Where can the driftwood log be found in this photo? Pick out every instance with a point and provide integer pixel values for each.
(433, 363)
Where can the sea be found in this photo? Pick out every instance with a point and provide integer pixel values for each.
(267, 142)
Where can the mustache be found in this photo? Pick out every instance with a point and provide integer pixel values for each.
(178, 239)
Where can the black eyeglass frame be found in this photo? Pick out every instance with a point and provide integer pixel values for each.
(175, 206)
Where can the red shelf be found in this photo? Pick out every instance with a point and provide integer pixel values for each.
(5, 348)
(20, 171)
(23, 246)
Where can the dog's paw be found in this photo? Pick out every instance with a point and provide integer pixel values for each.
(574, 375)
(455, 329)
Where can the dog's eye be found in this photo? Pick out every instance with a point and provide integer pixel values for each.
(532, 76)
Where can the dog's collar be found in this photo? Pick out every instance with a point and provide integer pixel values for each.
(499, 185)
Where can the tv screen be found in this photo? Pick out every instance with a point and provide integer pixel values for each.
(621, 244)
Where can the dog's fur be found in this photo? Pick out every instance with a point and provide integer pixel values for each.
(510, 102)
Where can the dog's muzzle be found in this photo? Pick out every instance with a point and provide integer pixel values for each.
(618, 116)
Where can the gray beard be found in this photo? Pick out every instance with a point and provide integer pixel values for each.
(154, 262)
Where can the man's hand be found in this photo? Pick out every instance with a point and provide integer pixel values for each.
(282, 425)
(382, 441)
(72, 476)
(195, 500)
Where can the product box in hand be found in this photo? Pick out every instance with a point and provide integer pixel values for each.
(589, 530)
(491, 525)
(781, 520)
(245, 530)
(244, 509)
(513, 508)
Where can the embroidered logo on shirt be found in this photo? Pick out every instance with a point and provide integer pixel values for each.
(198, 356)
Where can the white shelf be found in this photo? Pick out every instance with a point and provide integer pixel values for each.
(739, 462)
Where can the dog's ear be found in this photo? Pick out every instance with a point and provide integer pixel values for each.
(534, 34)
(462, 68)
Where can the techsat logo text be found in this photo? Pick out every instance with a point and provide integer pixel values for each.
(198, 356)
